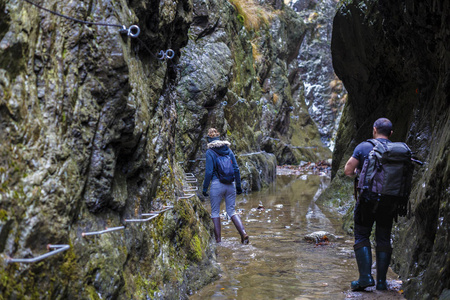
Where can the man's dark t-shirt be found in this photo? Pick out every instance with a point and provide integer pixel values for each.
(362, 151)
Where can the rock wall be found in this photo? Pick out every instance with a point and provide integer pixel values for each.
(394, 61)
(323, 91)
(87, 129)
(96, 130)
(248, 93)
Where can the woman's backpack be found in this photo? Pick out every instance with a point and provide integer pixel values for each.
(224, 168)
(387, 172)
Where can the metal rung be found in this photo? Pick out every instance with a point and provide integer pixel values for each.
(143, 220)
(186, 196)
(59, 248)
(191, 189)
(254, 153)
(83, 234)
(191, 180)
(152, 215)
(190, 175)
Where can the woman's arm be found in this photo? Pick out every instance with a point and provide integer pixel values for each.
(208, 170)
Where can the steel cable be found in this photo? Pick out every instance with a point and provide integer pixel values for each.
(132, 31)
(70, 18)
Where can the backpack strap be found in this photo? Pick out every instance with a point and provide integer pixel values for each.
(210, 150)
(407, 147)
(217, 155)
(375, 142)
(372, 141)
(213, 152)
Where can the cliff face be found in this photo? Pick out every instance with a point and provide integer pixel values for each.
(96, 130)
(87, 129)
(245, 90)
(323, 91)
(394, 61)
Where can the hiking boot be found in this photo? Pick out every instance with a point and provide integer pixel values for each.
(383, 260)
(217, 229)
(240, 228)
(364, 259)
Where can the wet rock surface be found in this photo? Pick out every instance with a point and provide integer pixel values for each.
(96, 130)
(322, 168)
(320, 237)
(394, 292)
(247, 94)
(87, 128)
(314, 74)
(393, 66)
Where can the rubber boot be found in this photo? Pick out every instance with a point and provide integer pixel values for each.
(364, 259)
(240, 227)
(383, 260)
(217, 229)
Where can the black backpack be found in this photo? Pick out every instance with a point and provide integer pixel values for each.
(224, 168)
(387, 172)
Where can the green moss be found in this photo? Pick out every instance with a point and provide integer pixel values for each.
(164, 191)
(157, 234)
(196, 249)
(241, 19)
(3, 215)
(188, 236)
(69, 267)
(143, 284)
(184, 211)
(31, 285)
(92, 293)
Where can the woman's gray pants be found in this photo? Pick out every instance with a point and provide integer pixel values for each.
(217, 192)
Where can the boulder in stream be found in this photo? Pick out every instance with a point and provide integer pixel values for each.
(319, 237)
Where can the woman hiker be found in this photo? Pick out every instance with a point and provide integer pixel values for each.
(223, 173)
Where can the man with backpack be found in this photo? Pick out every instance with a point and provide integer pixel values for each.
(223, 173)
(385, 172)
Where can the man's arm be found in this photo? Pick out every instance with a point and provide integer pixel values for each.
(351, 166)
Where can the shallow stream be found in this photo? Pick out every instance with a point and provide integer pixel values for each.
(279, 263)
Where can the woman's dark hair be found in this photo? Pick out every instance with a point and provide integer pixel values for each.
(383, 126)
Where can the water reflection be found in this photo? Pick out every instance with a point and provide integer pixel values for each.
(279, 263)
